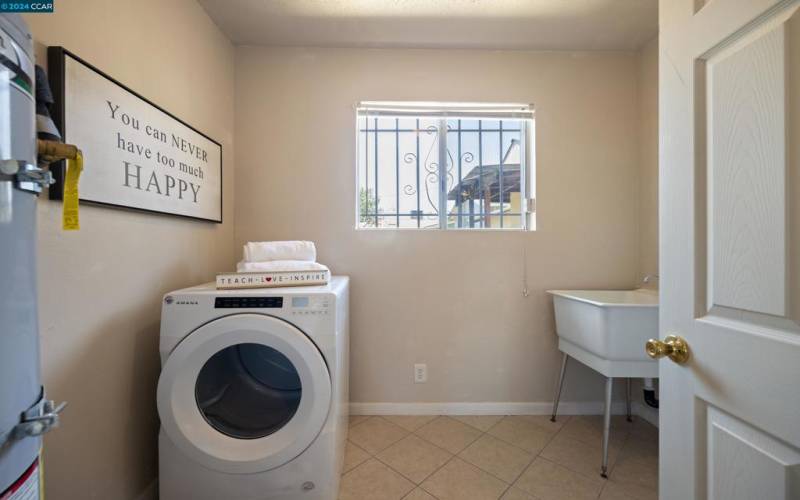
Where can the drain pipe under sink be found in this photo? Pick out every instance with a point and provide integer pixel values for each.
(650, 393)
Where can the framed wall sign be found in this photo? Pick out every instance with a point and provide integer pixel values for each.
(136, 154)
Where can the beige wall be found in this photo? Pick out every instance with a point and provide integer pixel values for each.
(648, 159)
(451, 300)
(648, 171)
(100, 288)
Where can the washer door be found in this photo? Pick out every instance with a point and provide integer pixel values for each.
(245, 393)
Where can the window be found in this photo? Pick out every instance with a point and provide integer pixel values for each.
(445, 166)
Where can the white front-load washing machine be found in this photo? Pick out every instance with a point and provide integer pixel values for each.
(253, 392)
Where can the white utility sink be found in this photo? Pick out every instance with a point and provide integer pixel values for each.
(607, 329)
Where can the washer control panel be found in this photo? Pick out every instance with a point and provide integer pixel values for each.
(304, 305)
(248, 303)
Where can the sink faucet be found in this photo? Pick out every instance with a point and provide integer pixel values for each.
(649, 277)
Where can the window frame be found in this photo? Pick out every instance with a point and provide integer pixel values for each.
(442, 112)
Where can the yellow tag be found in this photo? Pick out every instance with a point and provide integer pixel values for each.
(70, 220)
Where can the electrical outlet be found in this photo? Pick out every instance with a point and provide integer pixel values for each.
(420, 373)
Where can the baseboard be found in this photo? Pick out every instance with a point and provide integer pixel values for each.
(149, 493)
(500, 408)
(645, 412)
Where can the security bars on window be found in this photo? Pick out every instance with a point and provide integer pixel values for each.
(434, 166)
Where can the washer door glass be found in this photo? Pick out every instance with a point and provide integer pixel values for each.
(248, 391)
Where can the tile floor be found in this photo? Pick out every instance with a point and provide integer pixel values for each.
(497, 457)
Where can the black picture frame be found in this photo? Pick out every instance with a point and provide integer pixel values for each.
(56, 62)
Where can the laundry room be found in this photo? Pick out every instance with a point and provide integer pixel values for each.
(398, 249)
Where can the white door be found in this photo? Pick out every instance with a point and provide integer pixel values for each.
(730, 248)
(245, 393)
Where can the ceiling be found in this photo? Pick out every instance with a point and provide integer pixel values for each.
(490, 24)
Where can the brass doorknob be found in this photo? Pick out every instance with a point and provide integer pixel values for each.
(673, 346)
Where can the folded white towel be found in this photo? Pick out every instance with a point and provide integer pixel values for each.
(263, 251)
(279, 265)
